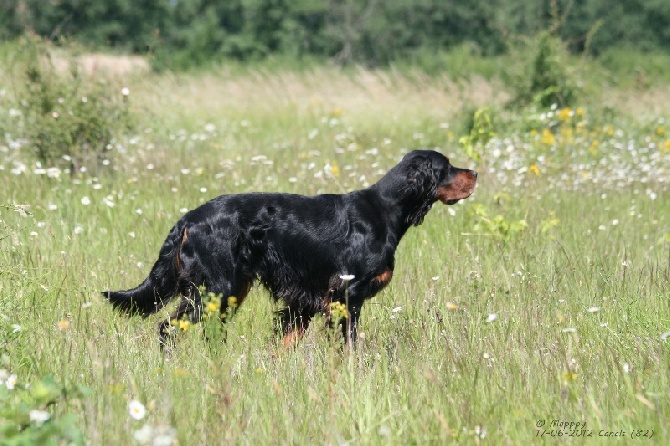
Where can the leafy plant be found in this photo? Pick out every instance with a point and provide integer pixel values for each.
(547, 76)
(213, 317)
(480, 132)
(497, 226)
(25, 415)
(67, 117)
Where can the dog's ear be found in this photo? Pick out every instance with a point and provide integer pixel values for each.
(419, 191)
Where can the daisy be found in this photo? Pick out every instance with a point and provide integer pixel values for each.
(136, 410)
(11, 381)
(39, 417)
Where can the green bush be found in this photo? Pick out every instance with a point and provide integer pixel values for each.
(66, 116)
(546, 76)
(25, 415)
(480, 129)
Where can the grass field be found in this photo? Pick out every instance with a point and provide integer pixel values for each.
(543, 299)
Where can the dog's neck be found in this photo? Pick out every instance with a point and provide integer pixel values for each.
(411, 206)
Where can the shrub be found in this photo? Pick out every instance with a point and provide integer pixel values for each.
(546, 76)
(66, 116)
(25, 415)
(499, 226)
(480, 129)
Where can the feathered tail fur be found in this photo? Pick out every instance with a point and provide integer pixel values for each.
(159, 287)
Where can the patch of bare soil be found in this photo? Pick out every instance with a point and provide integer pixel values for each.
(104, 64)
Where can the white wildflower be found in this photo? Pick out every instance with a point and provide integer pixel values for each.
(39, 417)
(144, 435)
(136, 410)
(11, 381)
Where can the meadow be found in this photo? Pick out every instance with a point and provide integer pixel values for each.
(536, 310)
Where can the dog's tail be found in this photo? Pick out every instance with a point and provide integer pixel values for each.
(160, 286)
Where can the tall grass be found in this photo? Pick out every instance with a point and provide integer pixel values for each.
(483, 335)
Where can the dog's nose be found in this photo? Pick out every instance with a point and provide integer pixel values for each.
(474, 174)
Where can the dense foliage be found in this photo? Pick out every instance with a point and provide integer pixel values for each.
(181, 33)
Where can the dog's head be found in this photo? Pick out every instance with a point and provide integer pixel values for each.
(430, 177)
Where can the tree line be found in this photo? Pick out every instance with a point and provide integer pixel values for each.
(371, 32)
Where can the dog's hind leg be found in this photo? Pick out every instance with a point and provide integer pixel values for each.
(189, 311)
(294, 323)
(193, 306)
(208, 267)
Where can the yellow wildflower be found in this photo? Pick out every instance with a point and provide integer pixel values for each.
(565, 114)
(338, 310)
(64, 324)
(335, 171)
(534, 169)
(569, 376)
(547, 137)
(184, 324)
(213, 306)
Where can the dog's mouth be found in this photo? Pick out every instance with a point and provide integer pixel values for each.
(459, 188)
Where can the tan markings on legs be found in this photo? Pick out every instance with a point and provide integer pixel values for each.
(326, 301)
(292, 337)
(385, 277)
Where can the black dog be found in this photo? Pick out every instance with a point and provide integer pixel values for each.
(309, 252)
